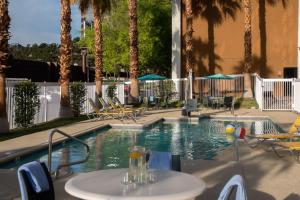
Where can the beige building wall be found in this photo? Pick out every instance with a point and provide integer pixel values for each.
(270, 55)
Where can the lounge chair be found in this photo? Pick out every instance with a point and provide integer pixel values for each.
(35, 182)
(238, 182)
(292, 134)
(116, 113)
(103, 113)
(292, 147)
(117, 102)
(117, 107)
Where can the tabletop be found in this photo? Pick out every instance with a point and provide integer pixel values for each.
(107, 184)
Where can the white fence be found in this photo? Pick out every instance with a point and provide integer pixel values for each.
(258, 94)
(296, 105)
(50, 100)
(277, 94)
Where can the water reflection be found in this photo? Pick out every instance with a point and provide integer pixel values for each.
(192, 140)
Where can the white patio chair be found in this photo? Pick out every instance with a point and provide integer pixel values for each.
(237, 182)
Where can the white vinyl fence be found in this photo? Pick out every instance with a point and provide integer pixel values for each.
(50, 100)
(296, 105)
(258, 94)
(277, 94)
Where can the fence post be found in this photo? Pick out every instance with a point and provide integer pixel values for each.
(45, 103)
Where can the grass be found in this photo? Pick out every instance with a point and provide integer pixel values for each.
(17, 132)
(247, 103)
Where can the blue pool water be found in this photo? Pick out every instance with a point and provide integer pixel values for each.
(109, 148)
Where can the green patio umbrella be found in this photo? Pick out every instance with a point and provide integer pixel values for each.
(219, 76)
(152, 77)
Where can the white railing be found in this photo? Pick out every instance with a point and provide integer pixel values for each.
(258, 90)
(296, 105)
(277, 94)
(50, 100)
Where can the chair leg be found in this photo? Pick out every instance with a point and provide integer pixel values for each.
(275, 151)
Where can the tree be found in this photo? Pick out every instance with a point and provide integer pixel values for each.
(215, 11)
(247, 48)
(65, 57)
(154, 41)
(4, 37)
(133, 44)
(99, 8)
(189, 35)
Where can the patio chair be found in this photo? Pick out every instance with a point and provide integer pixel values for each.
(292, 134)
(237, 182)
(292, 147)
(96, 114)
(35, 182)
(117, 106)
(228, 101)
(206, 101)
(151, 101)
(116, 113)
(163, 161)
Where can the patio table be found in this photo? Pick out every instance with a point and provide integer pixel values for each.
(107, 184)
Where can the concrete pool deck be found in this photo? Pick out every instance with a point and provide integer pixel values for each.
(267, 176)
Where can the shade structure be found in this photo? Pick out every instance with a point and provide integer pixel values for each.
(219, 76)
(153, 77)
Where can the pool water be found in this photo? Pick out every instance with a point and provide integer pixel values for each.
(202, 139)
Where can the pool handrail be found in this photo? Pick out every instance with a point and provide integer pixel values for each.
(67, 164)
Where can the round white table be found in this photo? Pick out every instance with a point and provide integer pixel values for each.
(107, 184)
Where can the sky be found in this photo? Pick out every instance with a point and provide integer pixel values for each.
(38, 21)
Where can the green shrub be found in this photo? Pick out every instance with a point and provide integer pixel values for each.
(77, 97)
(111, 91)
(27, 103)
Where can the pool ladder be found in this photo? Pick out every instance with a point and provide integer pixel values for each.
(67, 164)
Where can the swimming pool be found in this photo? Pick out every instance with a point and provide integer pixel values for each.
(193, 140)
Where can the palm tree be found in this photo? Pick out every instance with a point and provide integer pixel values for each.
(248, 48)
(215, 11)
(189, 44)
(65, 57)
(4, 37)
(99, 8)
(134, 57)
(189, 35)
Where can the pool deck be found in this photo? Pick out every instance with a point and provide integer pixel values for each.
(267, 176)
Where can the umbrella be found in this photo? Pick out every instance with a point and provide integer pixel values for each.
(151, 77)
(219, 76)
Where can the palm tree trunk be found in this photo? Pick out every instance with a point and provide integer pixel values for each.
(4, 37)
(248, 48)
(189, 46)
(98, 50)
(65, 58)
(133, 38)
(189, 35)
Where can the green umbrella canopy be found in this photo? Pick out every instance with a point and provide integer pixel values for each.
(218, 76)
(151, 77)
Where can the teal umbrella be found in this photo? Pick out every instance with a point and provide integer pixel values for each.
(219, 76)
(152, 77)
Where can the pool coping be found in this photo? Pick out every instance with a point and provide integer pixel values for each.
(14, 155)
